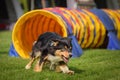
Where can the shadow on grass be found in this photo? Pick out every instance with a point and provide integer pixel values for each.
(4, 52)
(76, 70)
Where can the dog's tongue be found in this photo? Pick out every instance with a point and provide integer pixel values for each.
(65, 59)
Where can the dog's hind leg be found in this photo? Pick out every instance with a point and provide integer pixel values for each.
(39, 65)
(34, 56)
(28, 66)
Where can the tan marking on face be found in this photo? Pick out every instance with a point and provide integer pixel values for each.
(62, 53)
(65, 54)
(58, 52)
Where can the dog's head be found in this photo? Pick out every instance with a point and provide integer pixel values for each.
(62, 48)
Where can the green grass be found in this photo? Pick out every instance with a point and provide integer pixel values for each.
(94, 64)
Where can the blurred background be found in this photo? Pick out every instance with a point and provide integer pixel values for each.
(11, 10)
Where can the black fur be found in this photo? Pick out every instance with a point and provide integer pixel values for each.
(44, 44)
(47, 45)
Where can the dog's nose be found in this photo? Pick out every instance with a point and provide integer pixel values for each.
(70, 55)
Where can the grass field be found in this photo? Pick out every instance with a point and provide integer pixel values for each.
(94, 64)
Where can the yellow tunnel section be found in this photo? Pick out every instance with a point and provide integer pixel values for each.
(31, 25)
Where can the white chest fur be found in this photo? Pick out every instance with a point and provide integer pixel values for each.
(54, 59)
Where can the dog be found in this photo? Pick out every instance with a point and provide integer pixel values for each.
(51, 47)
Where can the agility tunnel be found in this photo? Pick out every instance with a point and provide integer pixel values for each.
(87, 28)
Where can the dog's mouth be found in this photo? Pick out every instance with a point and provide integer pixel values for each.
(65, 59)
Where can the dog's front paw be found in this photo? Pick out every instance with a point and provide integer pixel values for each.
(37, 69)
(27, 67)
(70, 72)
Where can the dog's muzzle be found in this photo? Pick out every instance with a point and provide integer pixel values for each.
(66, 56)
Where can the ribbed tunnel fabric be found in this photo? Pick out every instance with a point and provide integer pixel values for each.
(86, 27)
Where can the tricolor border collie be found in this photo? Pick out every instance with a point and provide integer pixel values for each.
(51, 47)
